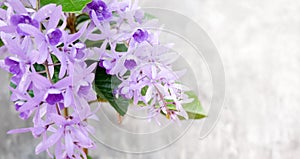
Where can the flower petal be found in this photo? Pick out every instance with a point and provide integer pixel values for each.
(21, 130)
(53, 139)
(44, 12)
(17, 6)
(54, 18)
(69, 144)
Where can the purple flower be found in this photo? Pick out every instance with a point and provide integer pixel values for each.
(84, 90)
(54, 96)
(35, 37)
(13, 64)
(108, 60)
(158, 83)
(83, 79)
(72, 132)
(23, 19)
(54, 36)
(80, 48)
(130, 64)
(24, 115)
(18, 104)
(100, 8)
(97, 5)
(140, 35)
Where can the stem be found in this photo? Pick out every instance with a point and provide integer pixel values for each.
(41, 72)
(119, 119)
(37, 4)
(86, 151)
(97, 100)
(71, 23)
(49, 77)
(66, 112)
(164, 102)
(54, 64)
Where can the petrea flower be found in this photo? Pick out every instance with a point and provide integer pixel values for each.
(79, 50)
(54, 36)
(140, 35)
(160, 86)
(83, 78)
(54, 96)
(100, 8)
(130, 64)
(23, 19)
(73, 132)
(39, 44)
(13, 64)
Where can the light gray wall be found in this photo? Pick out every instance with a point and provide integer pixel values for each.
(258, 41)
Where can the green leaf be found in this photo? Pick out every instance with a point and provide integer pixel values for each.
(55, 77)
(4, 7)
(121, 48)
(144, 90)
(82, 18)
(1, 43)
(194, 109)
(31, 93)
(89, 157)
(12, 85)
(68, 5)
(55, 60)
(104, 87)
(89, 43)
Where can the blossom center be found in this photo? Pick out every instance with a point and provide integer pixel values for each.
(130, 64)
(54, 96)
(140, 35)
(54, 37)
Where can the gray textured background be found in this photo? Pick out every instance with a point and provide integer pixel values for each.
(258, 41)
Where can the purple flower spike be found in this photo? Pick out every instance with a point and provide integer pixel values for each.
(54, 96)
(54, 37)
(14, 65)
(140, 35)
(130, 64)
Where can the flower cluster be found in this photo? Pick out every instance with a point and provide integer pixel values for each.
(51, 82)
(144, 68)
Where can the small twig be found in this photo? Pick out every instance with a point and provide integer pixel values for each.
(97, 101)
(41, 72)
(66, 112)
(120, 119)
(164, 102)
(49, 77)
(71, 20)
(55, 64)
(37, 4)
(86, 151)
